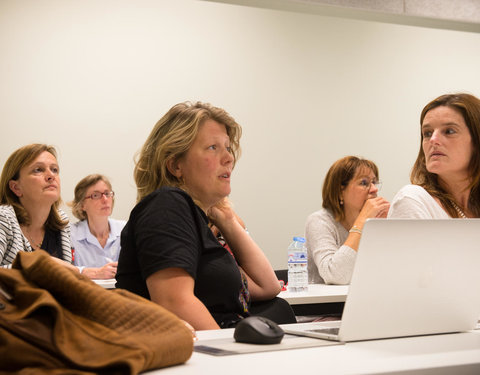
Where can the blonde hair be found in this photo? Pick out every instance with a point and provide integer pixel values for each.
(171, 138)
(11, 171)
(81, 190)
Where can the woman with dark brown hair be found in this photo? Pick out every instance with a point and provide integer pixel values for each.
(30, 217)
(333, 233)
(446, 175)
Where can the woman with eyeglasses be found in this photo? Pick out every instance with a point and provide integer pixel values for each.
(446, 175)
(96, 237)
(333, 233)
(30, 217)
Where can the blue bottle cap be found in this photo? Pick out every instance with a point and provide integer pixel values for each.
(299, 239)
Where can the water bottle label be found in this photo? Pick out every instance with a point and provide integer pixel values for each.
(297, 257)
(297, 266)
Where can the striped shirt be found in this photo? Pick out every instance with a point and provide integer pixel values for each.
(12, 239)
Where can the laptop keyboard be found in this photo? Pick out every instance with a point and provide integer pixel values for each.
(329, 331)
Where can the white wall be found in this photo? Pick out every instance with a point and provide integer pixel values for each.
(93, 76)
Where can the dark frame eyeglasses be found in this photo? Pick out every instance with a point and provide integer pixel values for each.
(98, 195)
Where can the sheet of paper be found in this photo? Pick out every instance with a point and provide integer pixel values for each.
(228, 346)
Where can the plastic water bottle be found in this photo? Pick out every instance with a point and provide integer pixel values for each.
(297, 266)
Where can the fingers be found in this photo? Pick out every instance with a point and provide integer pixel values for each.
(212, 214)
(376, 207)
(222, 217)
(224, 203)
(214, 230)
(382, 214)
(109, 270)
(379, 202)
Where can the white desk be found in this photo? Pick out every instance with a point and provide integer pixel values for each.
(437, 354)
(317, 293)
(106, 283)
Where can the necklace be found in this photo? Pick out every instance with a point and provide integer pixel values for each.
(459, 211)
(35, 245)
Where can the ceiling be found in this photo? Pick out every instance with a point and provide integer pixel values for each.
(462, 15)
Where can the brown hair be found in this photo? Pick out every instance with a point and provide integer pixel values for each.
(338, 177)
(81, 190)
(469, 107)
(171, 138)
(11, 171)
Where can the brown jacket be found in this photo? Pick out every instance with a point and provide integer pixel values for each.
(56, 321)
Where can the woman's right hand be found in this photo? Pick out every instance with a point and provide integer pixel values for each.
(108, 271)
(374, 208)
(223, 218)
(222, 211)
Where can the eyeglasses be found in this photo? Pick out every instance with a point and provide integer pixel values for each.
(97, 195)
(367, 184)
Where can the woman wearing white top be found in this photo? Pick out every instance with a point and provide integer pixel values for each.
(446, 174)
(95, 238)
(333, 233)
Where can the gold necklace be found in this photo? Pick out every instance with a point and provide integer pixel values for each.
(33, 244)
(459, 211)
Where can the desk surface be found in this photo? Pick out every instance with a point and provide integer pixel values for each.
(106, 283)
(437, 354)
(317, 293)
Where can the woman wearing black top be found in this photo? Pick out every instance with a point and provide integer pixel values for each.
(169, 254)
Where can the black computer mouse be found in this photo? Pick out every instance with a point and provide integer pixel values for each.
(258, 330)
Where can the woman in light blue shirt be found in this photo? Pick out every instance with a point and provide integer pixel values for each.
(96, 237)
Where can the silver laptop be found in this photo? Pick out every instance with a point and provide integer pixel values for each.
(411, 277)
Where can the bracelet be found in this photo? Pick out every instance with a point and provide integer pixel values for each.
(355, 229)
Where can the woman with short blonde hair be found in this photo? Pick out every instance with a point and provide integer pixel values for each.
(96, 237)
(171, 138)
(169, 253)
